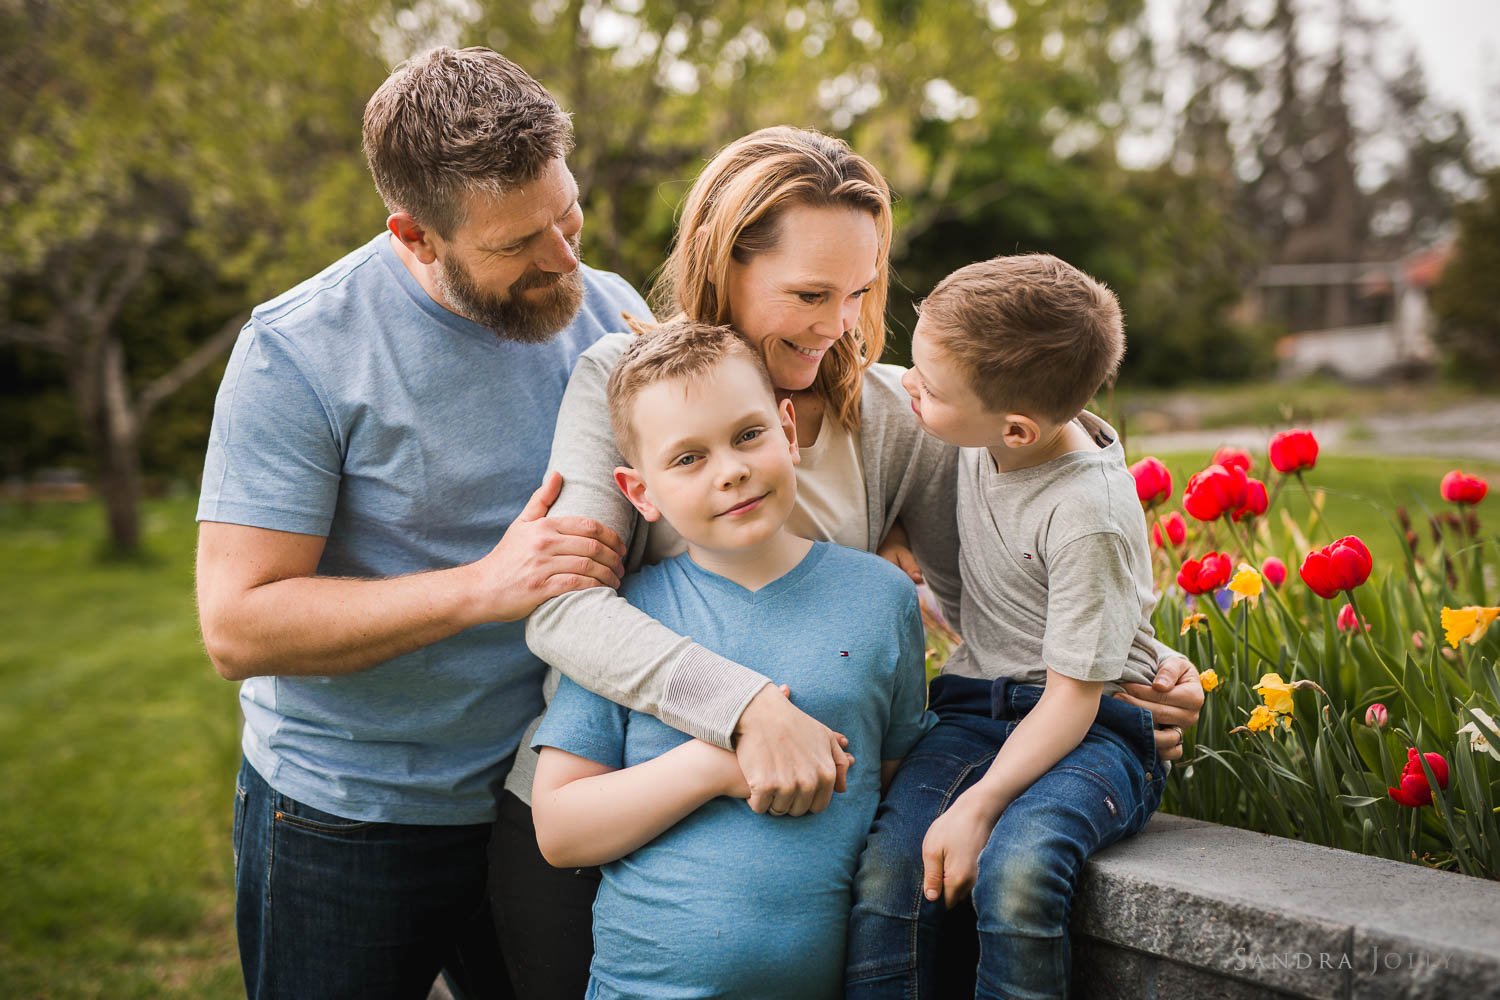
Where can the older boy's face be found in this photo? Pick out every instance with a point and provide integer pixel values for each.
(716, 455)
(945, 405)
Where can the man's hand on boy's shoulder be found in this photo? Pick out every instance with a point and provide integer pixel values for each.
(1174, 698)
(791, 761)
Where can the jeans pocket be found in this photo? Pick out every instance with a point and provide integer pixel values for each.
(299, 814)
(237, 829)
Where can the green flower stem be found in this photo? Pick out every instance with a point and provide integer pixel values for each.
(1390, 670)
(1312, 506)
(1229, 625)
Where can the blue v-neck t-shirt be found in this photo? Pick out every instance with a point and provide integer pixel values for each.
(729, 903)
(356, 408)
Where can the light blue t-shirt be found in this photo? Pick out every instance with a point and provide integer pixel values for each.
(728, 903)
(356, 408)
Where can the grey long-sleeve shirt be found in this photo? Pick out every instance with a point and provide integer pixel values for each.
(602, 642)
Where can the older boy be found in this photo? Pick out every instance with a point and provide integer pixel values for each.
(1028, 771)
(700, 896)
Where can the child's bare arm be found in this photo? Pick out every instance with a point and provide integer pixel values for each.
(1050, 731)
(587, 813)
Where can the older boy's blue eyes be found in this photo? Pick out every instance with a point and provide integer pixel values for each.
(752, 434)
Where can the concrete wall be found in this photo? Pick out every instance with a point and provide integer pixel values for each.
(1193, 909)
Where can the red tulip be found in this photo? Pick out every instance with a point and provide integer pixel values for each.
(1231, 457)
(1199, 576)
(1255, 501)
(1176, 530)
(1153, 483)
(1341, 566)
(1415, 792)
(1348, 621)
(1460, 488)
(1214, 492)
(1377, 716)
(1274, 570)
(1294, 450)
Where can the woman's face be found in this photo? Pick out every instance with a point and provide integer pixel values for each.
(795, 302)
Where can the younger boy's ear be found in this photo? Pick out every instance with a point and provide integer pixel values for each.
(789, 427)
(412, 235)
(1021, 431)
(634, 487)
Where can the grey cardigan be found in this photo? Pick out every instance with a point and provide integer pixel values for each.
(602, 642)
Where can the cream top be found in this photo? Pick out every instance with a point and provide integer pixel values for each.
(831, 489)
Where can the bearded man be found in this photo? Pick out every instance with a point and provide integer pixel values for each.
(379, 427)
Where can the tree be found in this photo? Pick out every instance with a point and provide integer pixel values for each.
(1467, 299)
(145, 138)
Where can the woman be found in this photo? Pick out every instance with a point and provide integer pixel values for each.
(785, 236)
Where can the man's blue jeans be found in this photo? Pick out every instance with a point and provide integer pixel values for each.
(1104, 790)
(329, 907)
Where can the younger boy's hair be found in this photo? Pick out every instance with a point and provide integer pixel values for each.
(1034, 334)
(681, 349)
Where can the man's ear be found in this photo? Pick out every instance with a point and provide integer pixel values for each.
(789, 427)
(1020, 431)
(413, 236)
(634, 487)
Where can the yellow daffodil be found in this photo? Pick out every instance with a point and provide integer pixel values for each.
(1196, 618)
(1276, 693)
(1246, 584)
(1209, 679)
(1467, 624)
(1262, 720)
(1479, 740)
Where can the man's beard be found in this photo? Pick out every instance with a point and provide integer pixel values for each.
(513, 316)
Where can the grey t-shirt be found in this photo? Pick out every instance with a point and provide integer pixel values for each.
(1055, 566)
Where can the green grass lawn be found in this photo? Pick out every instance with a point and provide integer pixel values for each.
(119, 744)
(1273, 403)
(118, 748)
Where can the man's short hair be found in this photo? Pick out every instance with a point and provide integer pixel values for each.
(1033, 334)
(681, 349)
(451, 123)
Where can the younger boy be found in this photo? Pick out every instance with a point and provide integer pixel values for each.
(1028, 771)
(700, 896)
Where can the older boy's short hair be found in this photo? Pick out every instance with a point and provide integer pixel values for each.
(1034, 334)
(681, 349)
(451, 123)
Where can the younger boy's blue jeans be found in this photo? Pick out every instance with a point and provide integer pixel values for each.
(1102, 791)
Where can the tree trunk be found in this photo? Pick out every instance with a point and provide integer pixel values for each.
(101, 393)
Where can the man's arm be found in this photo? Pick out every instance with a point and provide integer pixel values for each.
(1048, 733)
(263, 611)
(588, 813)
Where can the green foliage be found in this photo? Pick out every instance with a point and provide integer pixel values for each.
(1322, 776)
(1467, 299)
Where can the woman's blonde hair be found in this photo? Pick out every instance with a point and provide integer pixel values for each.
(734, 211)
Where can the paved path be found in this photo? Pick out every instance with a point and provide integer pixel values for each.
(1471, 431)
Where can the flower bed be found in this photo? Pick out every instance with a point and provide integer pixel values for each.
(1348, 703)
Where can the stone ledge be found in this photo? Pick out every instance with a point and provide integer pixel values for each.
(1194, 909)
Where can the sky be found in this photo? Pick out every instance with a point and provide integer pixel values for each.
(1458, 42)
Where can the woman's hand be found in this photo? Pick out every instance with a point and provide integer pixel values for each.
(1173, 698)
(896, 548)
